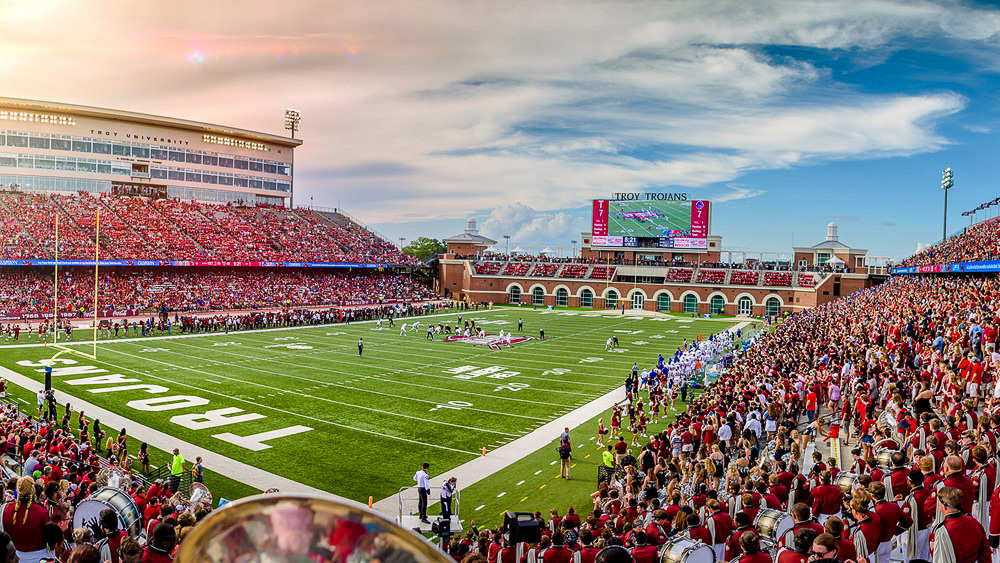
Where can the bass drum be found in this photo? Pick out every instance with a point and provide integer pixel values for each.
(772, 524)
(88, 512)
(846, 481)
(686, 550)
(886, 422)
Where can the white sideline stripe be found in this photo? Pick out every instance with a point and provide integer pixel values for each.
(228, 467)
(553, 462)
(480, 507)
(283, 411)
(279, 390)
(519, 483)
(501, 494)
(475, 470)
(482, 467)
(223, 333)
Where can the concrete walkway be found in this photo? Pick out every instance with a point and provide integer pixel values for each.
(236, 470)
(472, 472)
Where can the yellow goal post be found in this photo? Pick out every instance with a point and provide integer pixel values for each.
(62, 348)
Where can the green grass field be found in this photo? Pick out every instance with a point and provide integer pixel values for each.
(360, 427)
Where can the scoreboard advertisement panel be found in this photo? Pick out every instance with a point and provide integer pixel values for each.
(674, 224)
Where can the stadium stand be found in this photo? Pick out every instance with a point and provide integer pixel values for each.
(575, 271)
(727, 458)
(515, 269)
(544, 270)
(682, 275)
(602, 273)
(979, 242)
(29, 290)
(714, 277)
(744, 277)
(806, 280)
(135, 228)
(779, 279)
(488, 268)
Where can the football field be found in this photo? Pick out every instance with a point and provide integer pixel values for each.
(300, 403)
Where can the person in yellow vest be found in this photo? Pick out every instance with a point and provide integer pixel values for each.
(176, 470)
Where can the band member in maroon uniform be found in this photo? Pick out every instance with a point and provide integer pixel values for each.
(959, 538)
(919, 506)
(643, 552)
(750, 543)
(826, 498)
(956, 478)
(802, 516)
(720, 527)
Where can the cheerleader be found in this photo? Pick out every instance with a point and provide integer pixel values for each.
(601, 432)
(655, 408)
(144, 457)
(616, 422)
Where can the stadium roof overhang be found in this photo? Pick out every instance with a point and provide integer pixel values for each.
(20, 104)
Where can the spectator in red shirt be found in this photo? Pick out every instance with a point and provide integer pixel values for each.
(23, 520)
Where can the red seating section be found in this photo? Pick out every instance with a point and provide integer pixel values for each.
(782, 279)
(134, 228)
(744, 277)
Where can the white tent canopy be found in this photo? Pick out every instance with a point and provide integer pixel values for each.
(546, 250)
(517, 250)
(835, 262)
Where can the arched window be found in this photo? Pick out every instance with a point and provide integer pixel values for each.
(538, 296)
(745, 306)
(718, 304)
(562, 296)
(772, 306)
(611, 300)
(690, 303)
(515, 295)
(586, 298)
(663, 302)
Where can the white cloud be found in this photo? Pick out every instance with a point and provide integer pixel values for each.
(526, 225)
(737, 193)
(470, 105)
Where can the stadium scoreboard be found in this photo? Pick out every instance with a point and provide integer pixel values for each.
(675, 222)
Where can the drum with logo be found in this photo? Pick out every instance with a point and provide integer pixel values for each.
(772, 524)
(88, 512)
(883, 458)
(846, 481)
(686, 550)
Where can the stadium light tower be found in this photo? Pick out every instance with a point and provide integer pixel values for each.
(506, 245)
(947, 182)
(574, 249)
(401, 241)
(292, 119)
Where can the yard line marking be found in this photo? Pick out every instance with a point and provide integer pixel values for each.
(373, 378)
(591, 438)
(537, 472)
(23, 401)
(519, 483)
(295, 414)
(553, 462)
(342, 403)
(542, 487)
(524, 499)
(480, 507)
(586, 456)
(214, 381)
(501, 494)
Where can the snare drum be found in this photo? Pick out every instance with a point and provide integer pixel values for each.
(88, 512)
(846, 481)
(772, 524)
(686, 550)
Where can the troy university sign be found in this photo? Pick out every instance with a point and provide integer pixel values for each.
(99, 380)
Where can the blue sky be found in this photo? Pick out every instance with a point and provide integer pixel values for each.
(419, 114)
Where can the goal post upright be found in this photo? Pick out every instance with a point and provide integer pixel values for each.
(64, 349)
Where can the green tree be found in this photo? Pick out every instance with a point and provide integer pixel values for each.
(424, 248)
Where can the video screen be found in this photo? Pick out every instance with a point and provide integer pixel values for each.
(675, 224)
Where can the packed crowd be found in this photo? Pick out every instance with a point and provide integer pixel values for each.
(27, 290)
(978, 242)
(903, 377)
(136, 228)
(53, 470)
